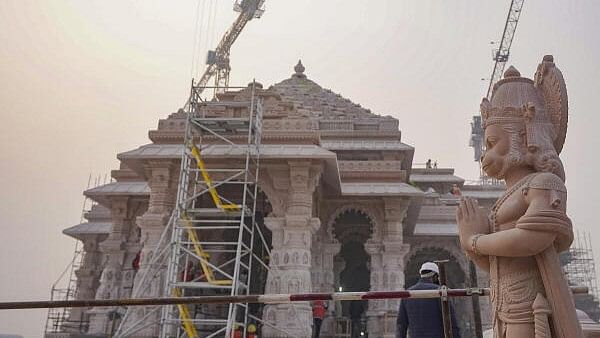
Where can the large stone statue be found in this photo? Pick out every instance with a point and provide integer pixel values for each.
(518, 243)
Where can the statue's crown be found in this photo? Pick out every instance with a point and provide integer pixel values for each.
(541, 106)
(514, 98)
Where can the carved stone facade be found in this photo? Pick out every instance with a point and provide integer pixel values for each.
(118, 250)
(162, 177)
(344, 207)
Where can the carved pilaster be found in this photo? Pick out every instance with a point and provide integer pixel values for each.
(323, 266)
(163, 177)
(274, 182)
(114, 251)
(387, 267)
(88, 276)
(291, 239)
(394, 212)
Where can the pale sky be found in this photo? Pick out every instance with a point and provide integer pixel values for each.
(81, 81)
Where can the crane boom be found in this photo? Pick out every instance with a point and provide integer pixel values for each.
(501, 54)
(218, 59)
(500, 57)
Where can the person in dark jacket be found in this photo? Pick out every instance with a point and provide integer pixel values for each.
(423, 317)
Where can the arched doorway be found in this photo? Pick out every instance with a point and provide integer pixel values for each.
(352, 229)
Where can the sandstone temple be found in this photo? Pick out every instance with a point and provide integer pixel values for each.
(365, 216)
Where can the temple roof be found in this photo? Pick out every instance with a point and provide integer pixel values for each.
(379, 189)
(102, 193)
(318, 101)
(98, 223)
(120, 188)
(359, 144)
(88, 228)
(267, 151)
(135, 158)
(435, 178)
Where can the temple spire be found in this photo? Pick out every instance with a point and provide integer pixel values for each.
(299, 69)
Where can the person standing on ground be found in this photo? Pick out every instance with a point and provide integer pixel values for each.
(319, 308)
(357, 307)
(423, 317)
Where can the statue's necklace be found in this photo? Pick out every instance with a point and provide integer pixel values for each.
(499, 202)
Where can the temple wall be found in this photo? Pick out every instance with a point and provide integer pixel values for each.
(118, 251)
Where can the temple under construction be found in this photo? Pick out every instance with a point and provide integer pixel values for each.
(286, 189)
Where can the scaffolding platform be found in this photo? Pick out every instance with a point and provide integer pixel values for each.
(215, 243)
(222, 126)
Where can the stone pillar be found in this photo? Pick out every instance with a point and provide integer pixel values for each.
(88, 276)
(163, 177)
(330, 250)
(324, 248)
(387, 267)
(292, 225)
(113, 250)
(323, 274)
(376, 309)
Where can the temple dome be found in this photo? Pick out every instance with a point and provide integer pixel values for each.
(318, 101)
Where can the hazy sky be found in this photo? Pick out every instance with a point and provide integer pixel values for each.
(81, 81)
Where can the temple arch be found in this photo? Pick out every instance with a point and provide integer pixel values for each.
(370, 212)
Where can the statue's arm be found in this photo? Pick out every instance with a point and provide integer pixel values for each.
(537, 229)
(481, 261)
(514, 243)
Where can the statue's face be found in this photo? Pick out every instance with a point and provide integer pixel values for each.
(497, 144)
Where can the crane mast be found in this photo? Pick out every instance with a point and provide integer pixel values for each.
(500, 57)
(501, 54)
(218, 59)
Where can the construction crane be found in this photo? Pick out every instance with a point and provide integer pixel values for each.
(500, 57)
(218, 59)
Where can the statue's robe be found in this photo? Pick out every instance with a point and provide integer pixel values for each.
(515, 281)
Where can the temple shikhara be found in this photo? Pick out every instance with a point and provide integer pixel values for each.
(340, 206)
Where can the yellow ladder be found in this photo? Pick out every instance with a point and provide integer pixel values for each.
(211, 189)
(210, 276)
(204, 256)
(184, 314)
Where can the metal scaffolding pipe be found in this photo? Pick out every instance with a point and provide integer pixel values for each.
(265, 299)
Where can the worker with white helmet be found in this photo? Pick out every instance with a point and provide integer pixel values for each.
(423, 317)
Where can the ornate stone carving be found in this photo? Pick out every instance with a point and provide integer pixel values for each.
(292, 225)
(525, 126)
(162, 179)
(370, 166)
(112, 283)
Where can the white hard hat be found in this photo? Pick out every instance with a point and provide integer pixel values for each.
(429, 266)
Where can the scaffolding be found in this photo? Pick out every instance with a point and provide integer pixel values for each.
(213, 242)
(65, 287)
(216, 245)
(579, 264)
